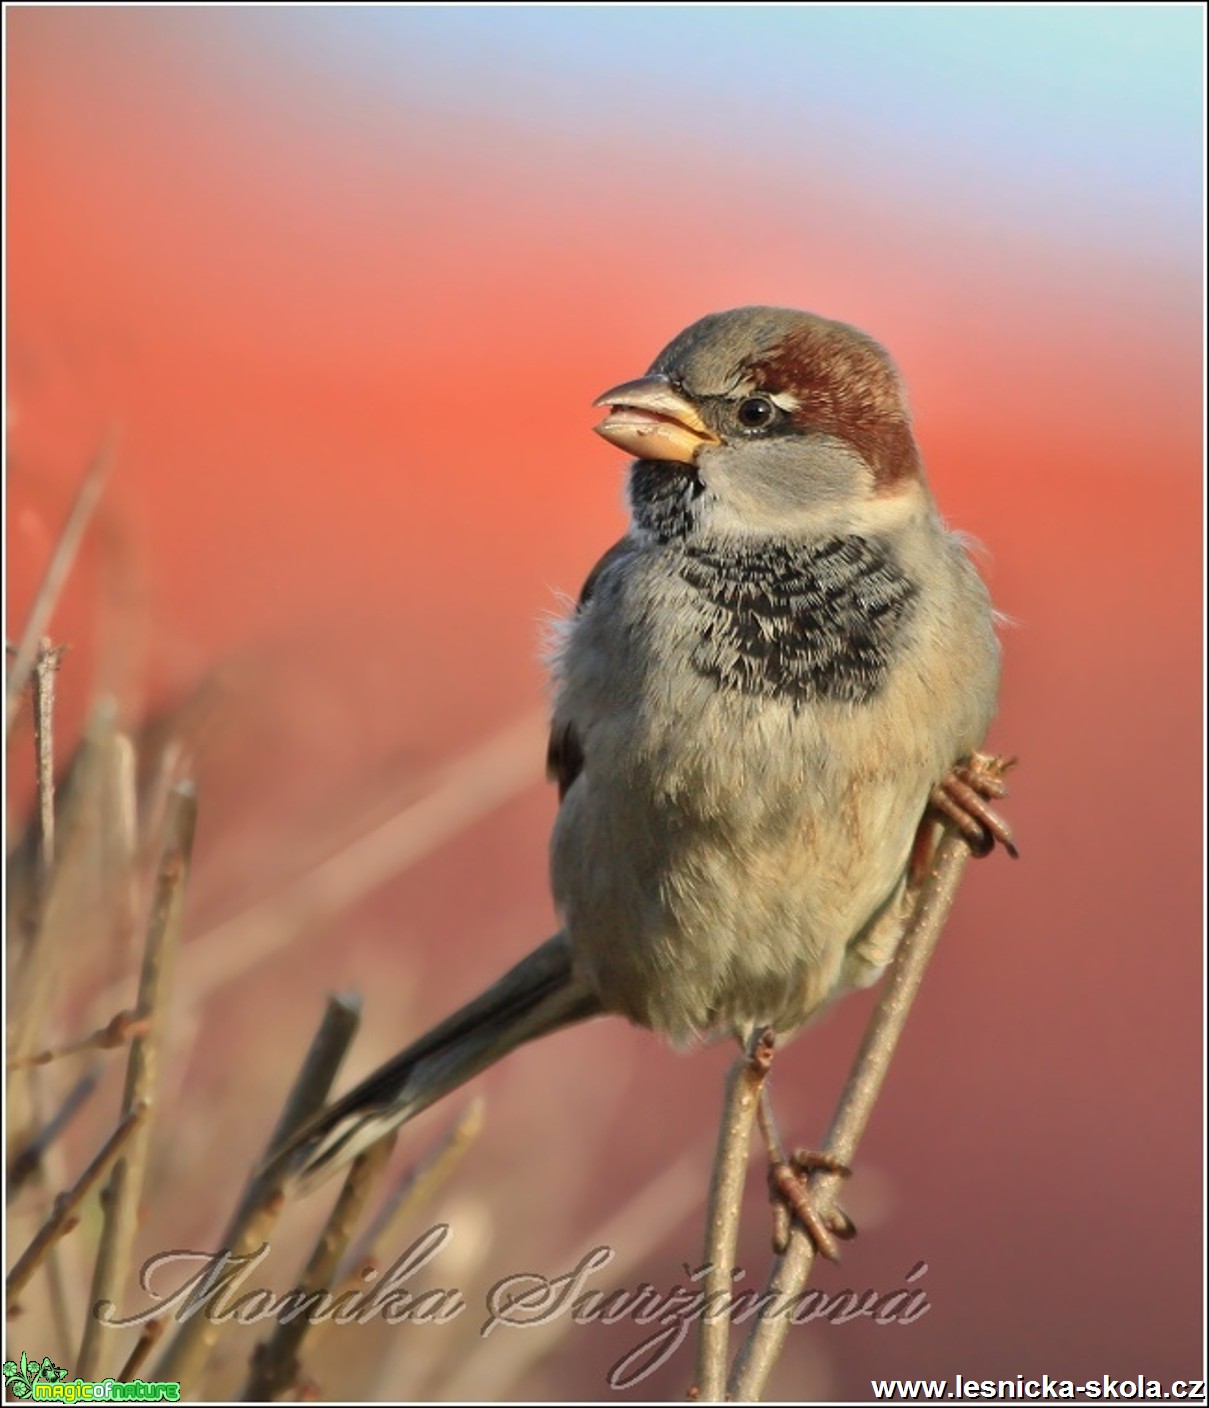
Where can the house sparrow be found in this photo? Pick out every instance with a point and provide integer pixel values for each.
(770, 690)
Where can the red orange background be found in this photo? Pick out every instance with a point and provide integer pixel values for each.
(348, 334)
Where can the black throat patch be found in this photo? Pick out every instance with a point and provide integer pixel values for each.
(663, 498)
(798, 621)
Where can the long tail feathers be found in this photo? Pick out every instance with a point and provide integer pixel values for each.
(539, 995)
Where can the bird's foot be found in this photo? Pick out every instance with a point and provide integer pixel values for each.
(962, 799)
(795, 1197)
(793, 1194)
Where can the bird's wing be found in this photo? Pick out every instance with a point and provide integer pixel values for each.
(564, 753)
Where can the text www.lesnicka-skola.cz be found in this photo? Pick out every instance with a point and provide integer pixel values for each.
(1025, 1389)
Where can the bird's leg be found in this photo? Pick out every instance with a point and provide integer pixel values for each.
(963, 796)
(789, 1187)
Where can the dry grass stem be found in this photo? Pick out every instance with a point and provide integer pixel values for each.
(66, 547)
(63, 1218)
(275, 1362)
(124, 1191)
(765, 1340)
(253, 1220)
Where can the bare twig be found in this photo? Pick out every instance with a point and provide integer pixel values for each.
(60, 912)
(147, 1341)
(743, 1087)
(253, 1219)
(62, 1218)
(55, 885)
(766, 1338)
(29, 1159)
(642, 1223)
(120, 852)
(61, 1285)
(126, 1183)
(275, 1363)
(459, 793)
(49, 1171)
(418, 1184)
(45, 668)
(116, 1032)
(61, 559)
(309, 1093)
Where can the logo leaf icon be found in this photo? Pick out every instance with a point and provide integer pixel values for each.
(21, 1378)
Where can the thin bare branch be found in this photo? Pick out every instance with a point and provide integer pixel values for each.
(116, 1032)
(69, 900)
(467, 788)
(309, 1093)
(418, 1184)
(49, 1171)
(126, 1183)
(46, 666)
(61, 559)
(411, 1192)
(743, 1087)
(147, 1341)
(62, 1218)
(764, 1341)
(186, 1356)
(275, 1362)
(643, 1223)
(120, 859)
(29, 1159)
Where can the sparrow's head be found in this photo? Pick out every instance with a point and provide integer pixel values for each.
(764, 420)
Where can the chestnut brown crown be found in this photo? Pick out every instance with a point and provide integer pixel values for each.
(794, 372)
(771, 377)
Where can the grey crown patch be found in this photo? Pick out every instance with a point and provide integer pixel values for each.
(798, 621)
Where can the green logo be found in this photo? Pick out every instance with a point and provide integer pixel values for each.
(19, 1379)
(46, 1382)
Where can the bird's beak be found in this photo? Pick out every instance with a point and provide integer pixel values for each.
(651, 420)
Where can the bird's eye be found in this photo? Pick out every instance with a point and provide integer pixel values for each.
(755, 412)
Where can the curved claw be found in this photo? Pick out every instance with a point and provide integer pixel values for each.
(792, 1199)
(962, 800)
